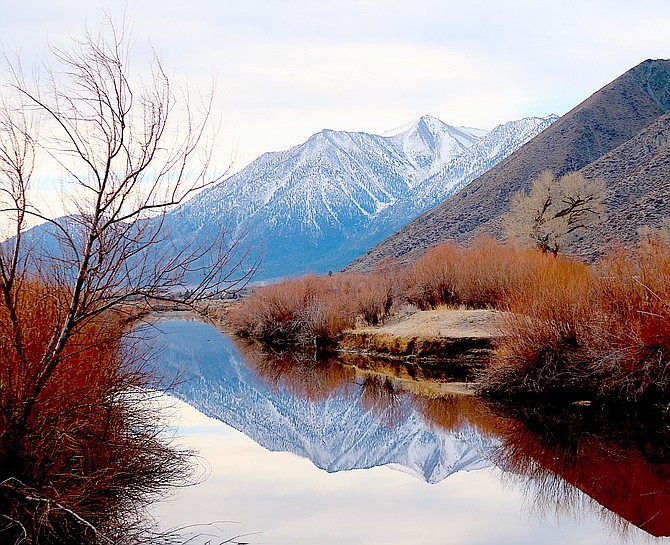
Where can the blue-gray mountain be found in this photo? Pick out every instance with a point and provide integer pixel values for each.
(318, 205)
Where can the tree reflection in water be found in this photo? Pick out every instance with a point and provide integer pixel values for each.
(299, 374)
(313, 378)
(622, 461)
(619, 461)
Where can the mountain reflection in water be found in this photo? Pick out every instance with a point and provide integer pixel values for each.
(344, 417)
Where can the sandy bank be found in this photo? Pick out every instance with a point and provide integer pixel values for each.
(463, 336)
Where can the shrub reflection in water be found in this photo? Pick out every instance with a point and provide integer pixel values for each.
(620, 461)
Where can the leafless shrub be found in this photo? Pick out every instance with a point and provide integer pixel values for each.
(630, 342)
(545, 331)
(554, 208)
(595, 331)
(76, 454)
(313, 309)
(482, 275)
(660, 233)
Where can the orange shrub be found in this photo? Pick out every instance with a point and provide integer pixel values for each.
(482, 275)
(544, 331)
(602, 330)
(312, 309)
(90, 452)
(433, 280)
(630, 345)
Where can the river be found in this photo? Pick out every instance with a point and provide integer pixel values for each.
(304, 453)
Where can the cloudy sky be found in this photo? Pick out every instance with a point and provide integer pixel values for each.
(288, 68)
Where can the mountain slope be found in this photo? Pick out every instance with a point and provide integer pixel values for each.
(637, 174)
(606, 120)
(456, 173)
(318, 205)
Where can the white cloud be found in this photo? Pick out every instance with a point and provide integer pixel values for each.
(289, 68)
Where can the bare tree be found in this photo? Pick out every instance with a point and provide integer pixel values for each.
(555, 208)
(127, 150)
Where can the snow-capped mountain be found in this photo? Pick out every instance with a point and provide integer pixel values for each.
(493, 147)
(456, 173)
(320, 204)
(429, 143)
(336, 433)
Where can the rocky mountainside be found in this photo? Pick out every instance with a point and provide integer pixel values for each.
(318, 205)
(604, 135)
(638, 180)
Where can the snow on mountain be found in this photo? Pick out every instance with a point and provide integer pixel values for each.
(318, 205)
(458, 171)
(429, 143)
(337, 433)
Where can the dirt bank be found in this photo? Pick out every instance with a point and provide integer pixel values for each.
(461, 336)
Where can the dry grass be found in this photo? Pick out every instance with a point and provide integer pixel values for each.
(313, 309)
(629, 348)
(90, 454)
(544, 332)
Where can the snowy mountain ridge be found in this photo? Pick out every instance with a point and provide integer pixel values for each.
(318, 205)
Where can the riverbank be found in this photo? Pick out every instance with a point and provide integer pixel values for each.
(451, 341)
(446, 334)
(453, 337)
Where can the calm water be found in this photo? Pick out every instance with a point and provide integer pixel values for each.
(304, 453)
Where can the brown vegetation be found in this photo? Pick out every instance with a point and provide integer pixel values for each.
(599, 330)
(590, 331)
(482, 275)
(89, 454)
(313, 309)
(317, 309)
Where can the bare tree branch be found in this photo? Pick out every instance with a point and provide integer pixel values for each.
(555, 208)
(129, 153)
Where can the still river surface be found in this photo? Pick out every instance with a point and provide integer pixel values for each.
(302, 453)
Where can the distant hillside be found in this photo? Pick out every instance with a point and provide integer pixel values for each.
(638, 179)
(599, 125)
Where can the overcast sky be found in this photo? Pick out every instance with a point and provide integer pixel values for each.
(289, 68)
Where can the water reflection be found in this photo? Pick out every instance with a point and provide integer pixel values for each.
(620, 461)
(312, 378)
(324, 411)
(300, 375)
(347, 414)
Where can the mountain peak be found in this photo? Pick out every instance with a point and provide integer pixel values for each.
(593, 129)
(429, 122)
(312, 207)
